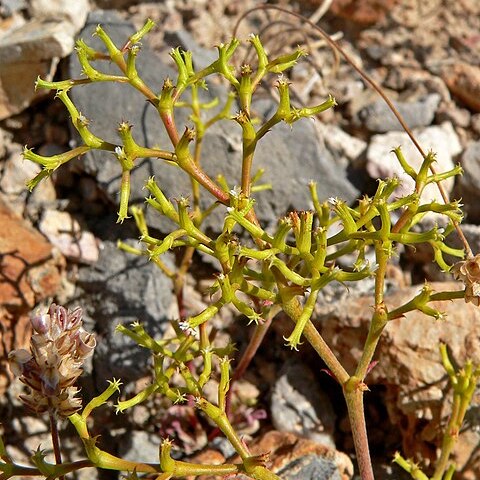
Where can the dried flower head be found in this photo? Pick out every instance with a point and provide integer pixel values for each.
(468, 271)
(58, 348)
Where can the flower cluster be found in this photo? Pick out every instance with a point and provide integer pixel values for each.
(58, 349)
(468, 271)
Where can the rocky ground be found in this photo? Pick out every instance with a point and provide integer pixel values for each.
(59, 242)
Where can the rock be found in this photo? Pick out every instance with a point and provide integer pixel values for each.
(123, 288)
(31, 50)
(15, 173)
(377, 117)
(472, 234)
(459, 117)
(291, 157)
(409, 361)
(65, 232)
(469, 182)
(292, 457)
(299, 406)
(10, 7)
(345, 147)
(10, 19)
(74, 12)
(140, 447)
(30, 267)
(382, 163)
(363, 12)
(16, 332)
(5, 143)
(463, 80)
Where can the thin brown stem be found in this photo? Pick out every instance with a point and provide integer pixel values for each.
(55, 440)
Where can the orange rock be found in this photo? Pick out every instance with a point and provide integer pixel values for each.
(364, 12)
(463, 80)
(28, 266)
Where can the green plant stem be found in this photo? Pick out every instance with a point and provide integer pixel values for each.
(247, 171)
(354, 389)
(379, 317)
(356, 414)
(461, 401)
(170, 127)
(13, 470)
(323, 350)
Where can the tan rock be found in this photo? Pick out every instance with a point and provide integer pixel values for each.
(26, 53)
(289, 454)
(74, 12)
(287, 448)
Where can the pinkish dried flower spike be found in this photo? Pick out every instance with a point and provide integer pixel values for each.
(58, 349)
(468, 271)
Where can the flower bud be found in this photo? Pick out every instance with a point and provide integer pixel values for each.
(17, 360)
(41, 322)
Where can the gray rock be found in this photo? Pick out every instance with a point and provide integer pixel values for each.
(377, 117)
(472, 234)
(291, 157)
(441, 139)
(299, 406)
(311, 467)
(28, 52)
(123, 288)
(469, 182)
(140, 446)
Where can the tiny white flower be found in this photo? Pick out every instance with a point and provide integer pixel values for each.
(186, 328)
(235, 191)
